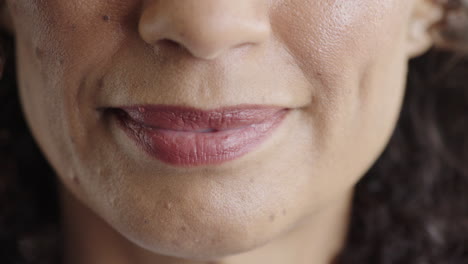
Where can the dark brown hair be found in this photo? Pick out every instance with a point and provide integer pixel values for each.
(411, 207)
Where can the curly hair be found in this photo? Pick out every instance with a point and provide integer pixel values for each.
(29, 215)
(410, 207)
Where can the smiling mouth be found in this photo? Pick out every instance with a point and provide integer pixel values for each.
(188, 137)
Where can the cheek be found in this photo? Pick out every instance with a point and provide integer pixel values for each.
(332, 40)
(353, 53)
(49, 48)
(57, 43)
(65, 36)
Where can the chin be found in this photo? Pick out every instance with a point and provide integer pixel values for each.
(205, 242)
(202, 229)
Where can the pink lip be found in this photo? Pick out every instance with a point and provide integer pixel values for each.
(188, 137)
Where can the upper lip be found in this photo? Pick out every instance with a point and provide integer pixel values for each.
(181, 118)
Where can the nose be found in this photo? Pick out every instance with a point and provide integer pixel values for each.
(205, 28)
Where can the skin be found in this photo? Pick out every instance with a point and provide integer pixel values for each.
(339, 64)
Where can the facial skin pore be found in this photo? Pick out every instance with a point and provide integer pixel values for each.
(340, 65)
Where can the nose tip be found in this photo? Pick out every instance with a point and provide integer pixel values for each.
(205, 28)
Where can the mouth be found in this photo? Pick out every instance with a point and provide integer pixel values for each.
(188, 137)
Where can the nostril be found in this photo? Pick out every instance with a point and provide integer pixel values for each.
(171, 46)
(207, 29)
(170, 43)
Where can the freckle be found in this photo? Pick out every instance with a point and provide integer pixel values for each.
(252, 180)
(76, 180)
(272, 217)
(183, 228)
(242, 197)
(99, 171)
(168, 206)
(61, 61)
(214, 241)
(101, 83)
(284, 211)
(82, 83)
(112, 201)
(73, 27)
(105, 18)
(39, 53)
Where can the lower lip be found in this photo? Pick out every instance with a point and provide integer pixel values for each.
(190, 149)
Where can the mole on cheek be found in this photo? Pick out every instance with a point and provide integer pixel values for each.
(168, 206)
(82, 84)
(39, 53)
(100, 83)
(76, 180)
(106, 18)
(272, 217)
(74, 177)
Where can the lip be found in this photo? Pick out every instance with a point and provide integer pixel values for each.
(188, 137)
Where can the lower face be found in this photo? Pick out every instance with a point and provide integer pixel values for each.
(338, 66)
